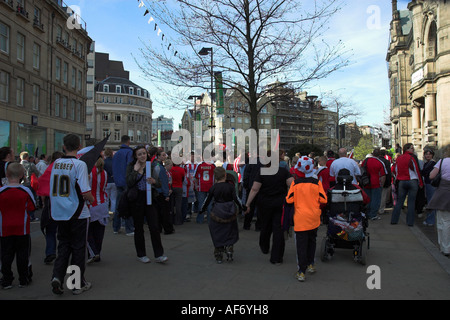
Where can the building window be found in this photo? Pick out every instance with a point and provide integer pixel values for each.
(72, 110)
(36, 96)
(74, 77)
(131, 90)
(36, 55)
(20, 47)
(58, 69)
(66, 38)
(105, 88)
(37, 15)
(57, 100)
(106, 133)
(4, 38)
(139, 135)
(118, 117)
(58, 33)
(74, 44)
(65, 72)
(64, 107)
(79, 80)
(105, 116)
(20, 91)
(138, 91)
(78, 111)
(396, 92)
(117, 135)
(118, 89)
(131, 135)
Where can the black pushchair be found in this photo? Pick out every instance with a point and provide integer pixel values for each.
(347, 224)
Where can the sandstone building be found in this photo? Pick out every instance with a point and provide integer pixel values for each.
(419, 74)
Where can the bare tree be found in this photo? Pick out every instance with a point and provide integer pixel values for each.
(254, 43)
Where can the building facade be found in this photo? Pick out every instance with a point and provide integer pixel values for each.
(42, 75)
(298, 118)
(122, 108)
(419, 73)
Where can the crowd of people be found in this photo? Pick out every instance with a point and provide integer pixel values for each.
(77, 203)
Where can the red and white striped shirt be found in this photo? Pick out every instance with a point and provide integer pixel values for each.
(98, 182)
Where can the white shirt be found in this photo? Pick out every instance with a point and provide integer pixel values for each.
(69, 180)
(345, 163)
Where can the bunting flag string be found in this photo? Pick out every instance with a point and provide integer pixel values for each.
(164, 39)
(159, 31)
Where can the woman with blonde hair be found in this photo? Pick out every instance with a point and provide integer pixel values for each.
(441, 201)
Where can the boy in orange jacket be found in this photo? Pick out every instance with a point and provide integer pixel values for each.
(308, 196)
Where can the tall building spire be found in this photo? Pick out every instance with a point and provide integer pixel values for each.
(395, 13)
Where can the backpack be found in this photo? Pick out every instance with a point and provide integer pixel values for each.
(364, 179)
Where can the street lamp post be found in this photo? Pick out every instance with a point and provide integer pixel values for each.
(311, 101)
(204, 52)
(195, 98)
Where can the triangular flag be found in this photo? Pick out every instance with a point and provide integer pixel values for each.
(146, 12)
(141, 5)
(150, 20)
(159, 31)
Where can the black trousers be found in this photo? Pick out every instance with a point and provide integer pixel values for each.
(96, 233)
(142, 211)
(270, 216)
(163, 209)
(305, 242)
(72, 239)
(15, 247)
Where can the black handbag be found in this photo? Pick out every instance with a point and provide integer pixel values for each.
(364, 179)
(437, 180)
(129, 196)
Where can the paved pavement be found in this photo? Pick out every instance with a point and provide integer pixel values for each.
(411, 267)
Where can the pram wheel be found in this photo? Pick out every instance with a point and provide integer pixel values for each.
(326, 250)
(360, 253)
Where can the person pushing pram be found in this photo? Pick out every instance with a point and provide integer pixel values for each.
(345, 217)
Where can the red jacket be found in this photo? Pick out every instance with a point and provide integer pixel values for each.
(376, 170)
(178, 175)
(404, 163)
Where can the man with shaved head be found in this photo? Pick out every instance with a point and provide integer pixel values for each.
(345, 163)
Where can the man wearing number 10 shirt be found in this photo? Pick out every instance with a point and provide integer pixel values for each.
(69, 188)
(204, 178)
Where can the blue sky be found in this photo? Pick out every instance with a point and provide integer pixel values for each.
(118, 27)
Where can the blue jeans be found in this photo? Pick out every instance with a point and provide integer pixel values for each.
(375, 201)
(117, 221)
(201, 199)
(431, 215)
(406, 188)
